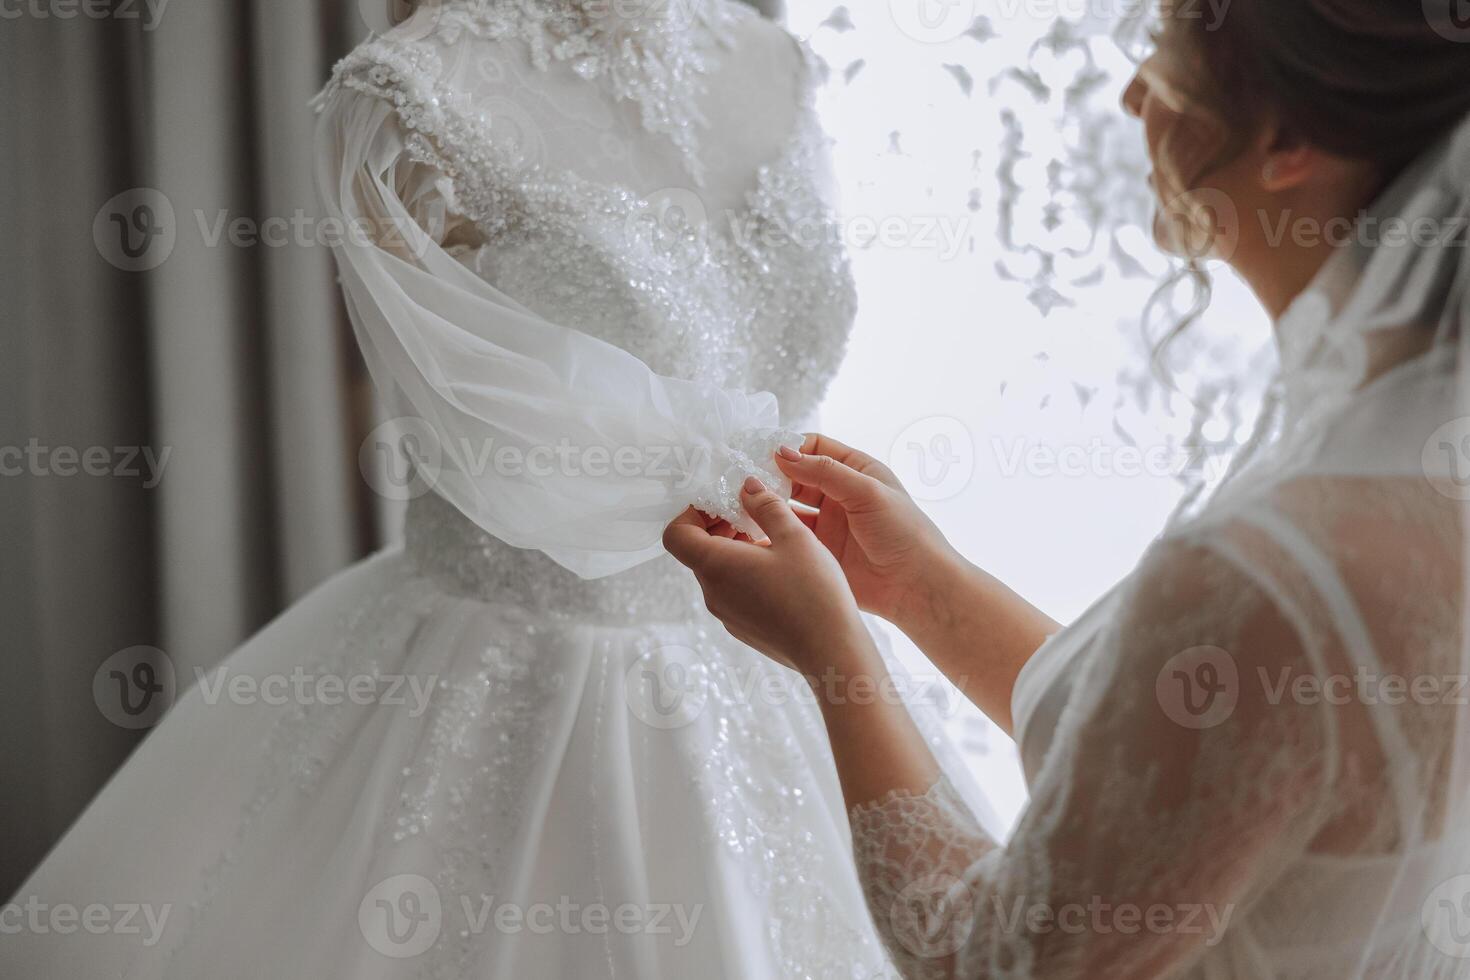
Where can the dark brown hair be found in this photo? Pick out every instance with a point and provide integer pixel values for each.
(1373, 80)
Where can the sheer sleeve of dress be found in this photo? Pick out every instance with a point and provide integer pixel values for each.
(545, 436)
(1176, 785)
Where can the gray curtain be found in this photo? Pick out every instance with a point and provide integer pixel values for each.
(231, 358)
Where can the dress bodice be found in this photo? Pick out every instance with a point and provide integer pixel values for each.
(758, 298)
(587, 188)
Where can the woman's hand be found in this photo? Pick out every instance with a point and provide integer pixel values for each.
(898, 565)
(788, 599)
(896, 561)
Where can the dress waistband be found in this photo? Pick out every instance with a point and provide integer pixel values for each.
(467, 560)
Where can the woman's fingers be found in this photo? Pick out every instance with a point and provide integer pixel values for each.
(800, 492)
(770, 512)
(692, 539)
(817, 444)
(819, 477)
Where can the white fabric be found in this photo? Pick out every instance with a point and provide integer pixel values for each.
(533, 739)
(478, 372)
(1251, 760)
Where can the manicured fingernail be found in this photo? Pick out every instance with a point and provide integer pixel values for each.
(786, 452)
(753, 485)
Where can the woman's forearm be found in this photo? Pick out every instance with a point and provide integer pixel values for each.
(976, 630)
(875, 744)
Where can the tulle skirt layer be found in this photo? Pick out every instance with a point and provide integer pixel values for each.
(394, 781)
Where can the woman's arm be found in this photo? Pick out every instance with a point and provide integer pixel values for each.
(961, 610)
(1150, 826)
(900, 567)
(878, 748)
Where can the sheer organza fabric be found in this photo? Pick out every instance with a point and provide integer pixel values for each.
(466, 138)
(1251, 758)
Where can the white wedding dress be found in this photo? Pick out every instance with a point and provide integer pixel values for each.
(585, 258)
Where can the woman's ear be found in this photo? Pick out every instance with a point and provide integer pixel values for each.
(1288, 161)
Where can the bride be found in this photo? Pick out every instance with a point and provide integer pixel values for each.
(1251, 759)
(586, 249)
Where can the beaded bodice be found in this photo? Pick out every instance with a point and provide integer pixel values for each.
(580, 165)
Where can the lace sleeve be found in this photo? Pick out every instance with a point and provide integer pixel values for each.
(545, 436)
(911, 852)
(1179, 782)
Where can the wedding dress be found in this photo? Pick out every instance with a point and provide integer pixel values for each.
(1251, 759)
(585, 254)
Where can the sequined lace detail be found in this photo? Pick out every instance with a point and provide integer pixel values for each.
(651, 54)
(750, 454)
(465, 560)
(760, 299)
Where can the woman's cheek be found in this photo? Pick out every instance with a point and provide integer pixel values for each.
(1181, 148)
